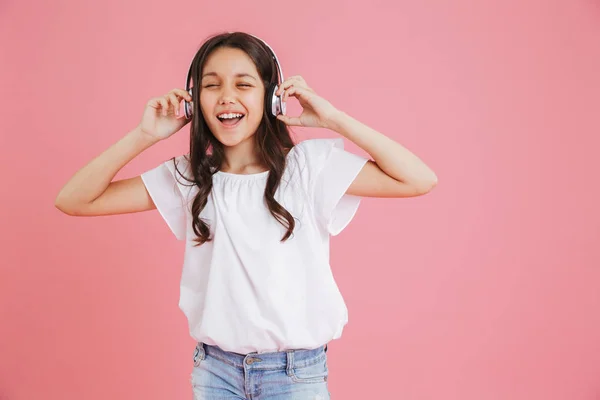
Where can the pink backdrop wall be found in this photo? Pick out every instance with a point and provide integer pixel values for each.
(486, 289)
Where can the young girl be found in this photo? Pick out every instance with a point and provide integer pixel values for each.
(256, 212)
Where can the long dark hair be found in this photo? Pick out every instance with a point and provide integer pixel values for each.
(206, 153)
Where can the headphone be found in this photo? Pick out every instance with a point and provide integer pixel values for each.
(273, 102)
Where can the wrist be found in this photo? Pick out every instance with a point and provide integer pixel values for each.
(336, 120)
(143, 137)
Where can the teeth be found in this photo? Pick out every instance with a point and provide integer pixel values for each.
(230, 116)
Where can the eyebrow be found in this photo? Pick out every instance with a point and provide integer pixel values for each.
(240, 75)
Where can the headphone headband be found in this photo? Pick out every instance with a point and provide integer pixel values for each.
(279, 72)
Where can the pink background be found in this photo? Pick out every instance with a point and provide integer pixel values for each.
(486, 289)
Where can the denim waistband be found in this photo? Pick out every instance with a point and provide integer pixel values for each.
(275, 360)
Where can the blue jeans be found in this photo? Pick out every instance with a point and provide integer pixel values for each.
(284, 375)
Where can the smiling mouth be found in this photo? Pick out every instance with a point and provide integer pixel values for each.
(230, 120)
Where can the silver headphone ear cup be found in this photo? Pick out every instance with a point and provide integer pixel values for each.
(277, 105)
(187, 109)
(188, 106)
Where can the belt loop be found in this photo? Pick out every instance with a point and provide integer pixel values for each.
(199, 354)
(290, 362)
(202, 351)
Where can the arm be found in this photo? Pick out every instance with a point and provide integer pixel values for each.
(395, 171)
(91, 190)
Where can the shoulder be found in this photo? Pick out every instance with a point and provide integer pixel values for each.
(179, 163)
(315, 151)
(318, 146)
(179, 167)
(177, 170)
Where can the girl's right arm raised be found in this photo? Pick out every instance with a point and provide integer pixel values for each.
(92, 191)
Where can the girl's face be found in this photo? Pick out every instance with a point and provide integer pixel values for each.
(231, 95)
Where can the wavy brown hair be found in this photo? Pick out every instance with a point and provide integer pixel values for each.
(206, 153)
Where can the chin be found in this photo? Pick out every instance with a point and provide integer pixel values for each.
(231, 139)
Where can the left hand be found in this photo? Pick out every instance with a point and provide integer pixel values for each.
(316, 111)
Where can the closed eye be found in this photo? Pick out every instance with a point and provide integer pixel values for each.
(241, 84)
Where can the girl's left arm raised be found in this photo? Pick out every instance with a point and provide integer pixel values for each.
(394, 170)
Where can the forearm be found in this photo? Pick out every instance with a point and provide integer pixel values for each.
(393, 158)
(93, 179)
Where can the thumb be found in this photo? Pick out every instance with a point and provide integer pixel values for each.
(292, 121)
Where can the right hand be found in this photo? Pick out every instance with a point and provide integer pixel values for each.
(163, 115)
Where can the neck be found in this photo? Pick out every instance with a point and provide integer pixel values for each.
(242, 158)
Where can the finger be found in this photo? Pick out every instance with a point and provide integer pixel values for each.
(297, 92)
(289, 82)
(284, 85)
(302, 83)
(291, 121)
(298, 78)
(175, 101)
(171, 103)
(179, 95)
(154, 103)
(164, 105)
(182, 93)
(296, 81)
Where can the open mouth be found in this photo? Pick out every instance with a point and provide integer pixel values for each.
(230, 120)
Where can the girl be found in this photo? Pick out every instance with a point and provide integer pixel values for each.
(256, 212)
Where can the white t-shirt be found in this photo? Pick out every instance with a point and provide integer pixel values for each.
(246, 291)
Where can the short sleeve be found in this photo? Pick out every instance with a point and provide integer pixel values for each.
(164, 186)
(331, 171)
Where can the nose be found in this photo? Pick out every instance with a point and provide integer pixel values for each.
(226, 100)
(227, 96)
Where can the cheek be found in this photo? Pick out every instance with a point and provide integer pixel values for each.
(255, 103)
(205, 103)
